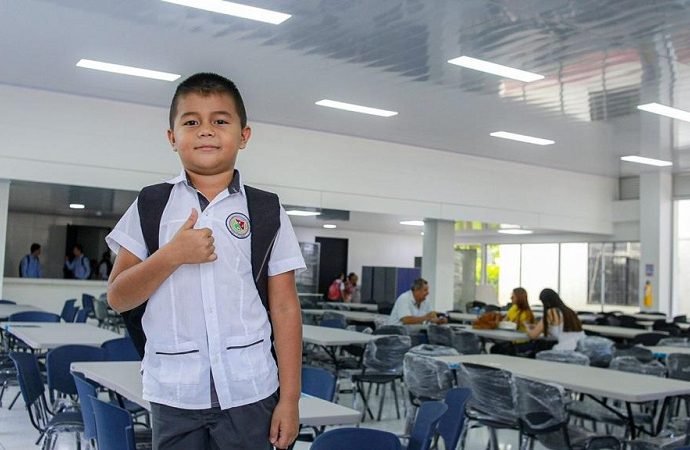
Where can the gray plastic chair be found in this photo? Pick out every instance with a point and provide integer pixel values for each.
(440, 335)
(598, 349)
(564, 356)
(466, 343)
(642, 354)
(634, 365)
(673, 342)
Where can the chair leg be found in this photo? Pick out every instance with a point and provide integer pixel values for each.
(493, 439)
(383, 398)
(395, 396)
(16, 397)
(360, 389)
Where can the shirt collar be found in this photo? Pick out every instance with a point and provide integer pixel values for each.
(234, 187)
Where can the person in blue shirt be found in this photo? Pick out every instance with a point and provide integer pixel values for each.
(79, 265)
(30, 266)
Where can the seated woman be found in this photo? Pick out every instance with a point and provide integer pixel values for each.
(559, 322)
(520, 312)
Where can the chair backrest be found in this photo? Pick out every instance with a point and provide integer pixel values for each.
(433, 350)
(426, 424)
(87, 302)
(114, 426)
(673, 342)
(386, 353)
(450, 426)
(86, 390)
(81, 316)
(648, 338)
(564, 356)
(540, 406)
(318, 383)
(100, 309)
(426, 378)
(642, 354)
(598, 349)
(633, 365)
(33, 316)
(58, 363)
(680, 319)
(466, 343)
(349, 438)
(31, 387)
(120, 349)
(492, 390)
(332, 319)
(7, 302)
(670, 328)
(678, 365)
(399, 330)
(69, 310)
(440, 335)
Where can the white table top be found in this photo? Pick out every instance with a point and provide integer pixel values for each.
(649, 324)
(8, 310)
(652, 317)
(595, 381)
(313, 334)
(370, 307)
(350, 316)
(462, 317)
(45, 336)
(665, 350)
(617, 332)
(125, 379)
(494, 335)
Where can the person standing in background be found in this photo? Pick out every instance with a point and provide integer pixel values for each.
(351, 292)
(80, 266)
(104, 266)
(30, 266)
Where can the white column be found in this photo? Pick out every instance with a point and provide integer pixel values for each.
(4, 207)
(656, 228)
(437, 262)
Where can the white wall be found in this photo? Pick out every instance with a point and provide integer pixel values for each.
(101, 143)
(50, 295)
(370, 249)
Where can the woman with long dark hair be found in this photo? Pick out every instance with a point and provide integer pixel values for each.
(559, 322)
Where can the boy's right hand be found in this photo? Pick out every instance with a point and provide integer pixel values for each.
(192, 246)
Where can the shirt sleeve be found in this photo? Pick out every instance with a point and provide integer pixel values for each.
(127, 233)
(286, 255)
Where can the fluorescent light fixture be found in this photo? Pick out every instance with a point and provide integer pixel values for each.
(235, 9)
(495, 69)
(330, 226)
(76, 206)
(647, 161)
(667, 111)
(521, 138)
(302, 213)
(422, 233)
(414, 223)
(508, 226)
(126, 70)
(515, 231)
(356, 108)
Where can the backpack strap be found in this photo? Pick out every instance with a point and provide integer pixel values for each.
(151, 203)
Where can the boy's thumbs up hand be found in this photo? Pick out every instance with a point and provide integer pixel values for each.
(192, 246)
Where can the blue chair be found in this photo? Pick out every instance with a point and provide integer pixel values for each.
(425, 425)
(87, 304)
(121, 349)
(318, 383)
(86, 390)
(114, 426)
(7, 302)
(81, 316)
(452, 422)
(356, 438)
(69, 310)
(33, 316)
(33, 393)
(58, 362)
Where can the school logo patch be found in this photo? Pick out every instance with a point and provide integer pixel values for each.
(238, 225)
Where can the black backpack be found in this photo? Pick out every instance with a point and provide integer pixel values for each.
(264, 215)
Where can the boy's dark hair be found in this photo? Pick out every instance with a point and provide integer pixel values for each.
(34, 247)
(206, 83)
(78, 247)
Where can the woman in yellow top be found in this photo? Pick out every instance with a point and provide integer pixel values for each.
(520, 312)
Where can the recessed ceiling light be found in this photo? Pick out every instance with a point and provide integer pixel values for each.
(127, 70)
(647, 161)
(515, 231)
(508, 226)
(302, 213)
(330, 226)
(76, 206)
(422, 233)
(414, 223)
(495, 69)
(521, 138)
(356, 108)
(235, 9)
(667, 111)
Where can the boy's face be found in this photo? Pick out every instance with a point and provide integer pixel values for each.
(207, 133)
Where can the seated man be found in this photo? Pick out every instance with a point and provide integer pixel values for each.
(411, 307)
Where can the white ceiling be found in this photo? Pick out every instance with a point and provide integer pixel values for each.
(600, 58)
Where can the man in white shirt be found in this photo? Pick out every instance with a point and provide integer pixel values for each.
(411, 307)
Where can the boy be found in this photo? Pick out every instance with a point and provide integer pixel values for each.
(208, 368)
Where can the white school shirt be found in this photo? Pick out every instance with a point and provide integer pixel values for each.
(405, 306)
(208, 317)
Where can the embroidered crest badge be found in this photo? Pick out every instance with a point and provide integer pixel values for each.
(238, 225)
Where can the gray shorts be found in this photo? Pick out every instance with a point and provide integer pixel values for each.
(242, 428)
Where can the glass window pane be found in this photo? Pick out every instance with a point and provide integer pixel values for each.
(573, 289)
(539, 269)
(681, 278)
(508, 262)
